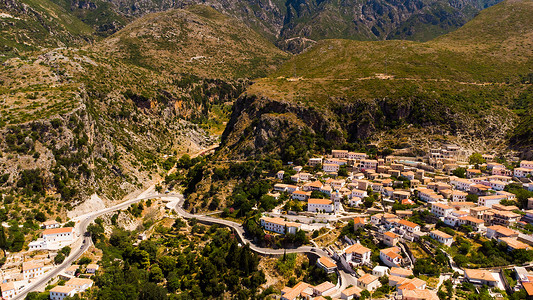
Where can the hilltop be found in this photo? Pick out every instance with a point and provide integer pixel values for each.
(196, 40)
(461, 85)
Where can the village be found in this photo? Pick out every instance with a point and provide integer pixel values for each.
(434, 204)
(20, 269)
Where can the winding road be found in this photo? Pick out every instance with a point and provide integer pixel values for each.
(148, 194)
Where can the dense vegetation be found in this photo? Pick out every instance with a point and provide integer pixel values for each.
(209, 263)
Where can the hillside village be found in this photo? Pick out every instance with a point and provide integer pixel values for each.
(440, 206)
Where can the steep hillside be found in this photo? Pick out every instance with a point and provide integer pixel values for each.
(198, 40)
(351, 19)
(74, 122)
(31, 24)
(343, 92)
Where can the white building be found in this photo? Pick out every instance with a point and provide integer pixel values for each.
(320, 205)
(391, 256)
(61, 292)
(440, 210)
(330, 168)
(522, 172)
(301, 195)
(50, 224)
(278, 225)
(92, 268)
(359, 193)
(358, 253)
(32, 270)
(80, 284)
(8, 290)
(489, 201)
(441, 237)
(368, 164)
(461, 184)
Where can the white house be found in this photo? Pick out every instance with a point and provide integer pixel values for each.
(358, 254)
(522, 172)
(278, 225)
(380, 271)
(58, 235)
(489, 201)
(314, 161)
(391, 256)
(301, 195)
(326, 264)
(50, 224)
(92, 268)
(461, 184)
(368, 282)
(441, 237)
(61, 292)
(410, 227)
(32, 270)
(440, 210)
(368, 164)
(359, 193)
(330, 168)
(526, 164)
(320, 205)
(8, 290)
(80, 284)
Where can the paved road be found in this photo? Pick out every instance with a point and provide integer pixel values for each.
(76, 253)
(237, 228)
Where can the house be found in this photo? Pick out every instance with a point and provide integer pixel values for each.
(358, 222)
(410, 227)
(50, 224)
(359, 193)
(488, 201)
(401, 272)
(480, 189)
(320, 205)
(419, 295)
(461, 184)
(441, 237)
(279, 225)
(480, 277)
(351, 293)
(453, 218)
(357, 156)
(280, 187)
(280, 174)
(514, 244)
(72, 270)
(339, 153)
(459, 196)
(8, 290)
(331, 168)
(475, 223)
(358, 254)
(299, 291)
(326, 264)
(92, 268)
(368, 164)
(391, 256)
(498, 231)
(324, 289)
(58, 235)
(522, 172)
(80, 284)
(440, 210)
(380, 271)
(61, 292)
(505, 218)
(368, 282)
(390, 238)
(528, 286)
(410, 285)
(314, 161)
(355, 201)
(471, 173)
(32, 270)
(301, 195)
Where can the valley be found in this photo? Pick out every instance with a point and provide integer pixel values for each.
(266, 149)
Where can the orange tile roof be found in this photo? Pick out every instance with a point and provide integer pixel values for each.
(327, 262)
(408, 223)
(367, 279)
(528, 286)
(58, 230)
(319, 201)
(391, 234)
(78, 281)
(358, 220)
(31, 265)
(352, 291)
(402, 272)
(62, 289)
(357, 248)
(324, 286)
(479, 275)
(441, 234)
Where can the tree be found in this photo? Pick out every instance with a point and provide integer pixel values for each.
(459, 172)
(60, 257)
(3, 239)
(152, 291)
(66, 250)
(39, 216)
(476, 159)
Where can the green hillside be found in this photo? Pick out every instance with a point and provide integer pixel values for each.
(462, 84)
(197, 40)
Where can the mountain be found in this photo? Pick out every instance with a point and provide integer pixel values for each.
(459, 88)
(323, 19)
(196, 40)
(110, 117)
